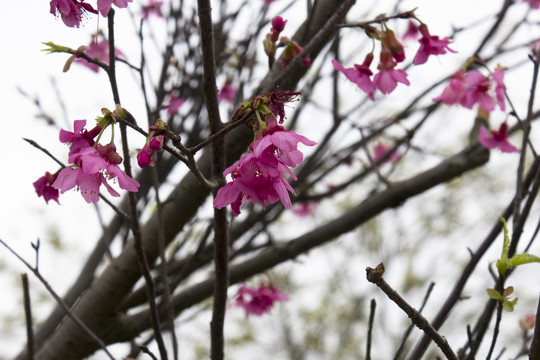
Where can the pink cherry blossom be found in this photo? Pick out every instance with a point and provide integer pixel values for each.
(498, 77)
(80, 138)
(387, 78)
(412, 31)
(105, 5)
(146, 155)
(391, 44)
(98, 51)
(496, 139)
(70, 11)
(381, 151)
(535, 4)
(527, 322)
(174, 104)
(152, 8)
(44, 188)
(88, 184)
(268, 2)
(258, 301)
(304, 209)
(453, 93)
(478, 91)
(227, 93)
(359, 74)
(430, 45)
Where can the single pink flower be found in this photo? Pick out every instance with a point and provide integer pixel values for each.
(430, 45)
(387, 78)
(496, 139)
(174, 104)
(88, 184)
(80, 138)
(152, 8)
(98, 51)
(258, 301)
(454, 92)
(278, 24)
(478, 91)
(535, 4)
(71, 11)
(44, 188)
(227, 93)
(146, 155)
(381, 151)
(359, 74)
(105, 5)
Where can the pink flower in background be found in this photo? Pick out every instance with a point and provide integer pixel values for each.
(174, 104)
(527, 322)
(380, 151)
(359, 74)
(535, 4)
(105, 5)
(453, 93)
(98, 51)
(496, 139)
(500, 88)
(44, 188)
(70, 11)
(258, 301)
(268, 2)
(430, 45)
(152, 8)
(227, 93)
(412, 31)
(304, 209)
(387, 78)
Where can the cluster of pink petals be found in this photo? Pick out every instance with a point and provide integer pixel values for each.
(492, 139)
(430, 45)
(385, 80)
(535, 4)
(98, 51)
(147, 154)
(44, 188)
(258, 301)
(259, 175)
(70, 11)
(152, 8)
(472, 87)
(91, 166)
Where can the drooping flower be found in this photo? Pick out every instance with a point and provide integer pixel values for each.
(44, 188)
(152, 8)
(359, 74)
(105, 5)
(387, 78)
(70, 11)
(92, 165)
(392, 44)
(258, 301)
(491, 139)
(535, 4)
(154, 143)
(430, 45)
(98, 51)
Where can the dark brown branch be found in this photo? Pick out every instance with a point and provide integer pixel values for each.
(375, 276)
(534, 353)
(372, 307)
(28, 317)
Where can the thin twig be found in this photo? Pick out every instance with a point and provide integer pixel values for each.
(375, 276)
(58, 299)
(534, 353)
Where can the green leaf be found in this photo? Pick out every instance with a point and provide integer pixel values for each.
(494, 294)
(509, 305)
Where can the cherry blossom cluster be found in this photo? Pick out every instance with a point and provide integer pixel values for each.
(260, 300)
(91, 164)
(154, 143)
(72, 11)
(259, 176)
(392, 53)
(291, 47)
